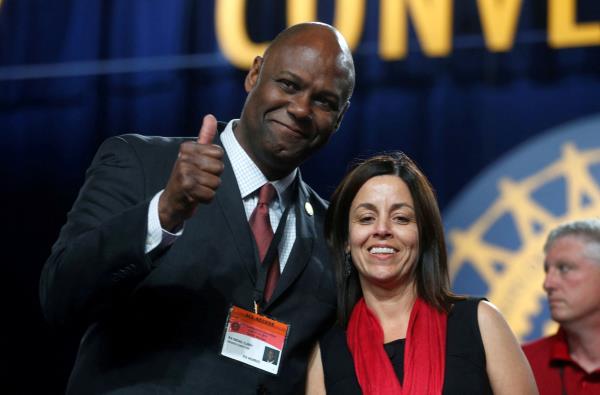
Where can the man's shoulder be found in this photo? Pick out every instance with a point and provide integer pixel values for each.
(319, 204)
(154, 154)
(541, 345)
(142, 146)
(313, 195)
(153, 141)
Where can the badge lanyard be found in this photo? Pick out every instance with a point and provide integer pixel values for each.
(252, 338)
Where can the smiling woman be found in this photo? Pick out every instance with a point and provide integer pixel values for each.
(383, 235)
(395, 184)
(400, 329)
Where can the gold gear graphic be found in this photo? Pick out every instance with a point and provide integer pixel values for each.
(517, 289)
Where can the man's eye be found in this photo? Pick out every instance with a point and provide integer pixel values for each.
(563, 268)
(288, 85)
(326, 104)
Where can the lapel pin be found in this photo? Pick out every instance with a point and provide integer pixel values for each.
(309, 209)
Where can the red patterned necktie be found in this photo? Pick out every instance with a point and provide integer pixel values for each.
(263, 235)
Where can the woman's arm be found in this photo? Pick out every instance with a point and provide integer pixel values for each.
(315, 380)
(507, 368)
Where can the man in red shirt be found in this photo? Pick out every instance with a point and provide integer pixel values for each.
(569, 361)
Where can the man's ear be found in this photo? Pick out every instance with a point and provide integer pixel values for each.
(338, 122)
(253, 74)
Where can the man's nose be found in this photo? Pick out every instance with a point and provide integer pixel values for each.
(549, 280)
(299, 106)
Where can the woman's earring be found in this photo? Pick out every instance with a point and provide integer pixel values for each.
(347, 265)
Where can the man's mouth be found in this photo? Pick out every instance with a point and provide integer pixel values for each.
(554, 301)
(291, 128)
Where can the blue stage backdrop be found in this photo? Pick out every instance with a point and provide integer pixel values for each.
(458, 85)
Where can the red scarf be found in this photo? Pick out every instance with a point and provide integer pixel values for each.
(424, 353)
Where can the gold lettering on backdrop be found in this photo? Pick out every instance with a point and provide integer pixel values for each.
(432, 20)
(232, 36)
(392, 30)
(236, 45)
(499, 22)
(299, 11)
(349, 19)
(349, 16)
(563, 29)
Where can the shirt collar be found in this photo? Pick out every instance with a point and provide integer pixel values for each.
(559, 349)
(248, 175)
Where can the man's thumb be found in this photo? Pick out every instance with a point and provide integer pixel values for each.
(208, 130)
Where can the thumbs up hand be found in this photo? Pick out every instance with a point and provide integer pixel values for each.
(194, 179)
(208, 130)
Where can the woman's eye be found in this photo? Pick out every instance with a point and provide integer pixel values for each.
(401, 219)
(366, 219)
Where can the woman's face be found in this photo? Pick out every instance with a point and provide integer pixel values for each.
(383, 234)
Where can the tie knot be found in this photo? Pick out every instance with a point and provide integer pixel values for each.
(266, 193)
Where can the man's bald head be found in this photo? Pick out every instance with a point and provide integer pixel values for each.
(322, 35)
(298, 93)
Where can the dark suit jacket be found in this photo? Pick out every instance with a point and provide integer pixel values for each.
(154, 324)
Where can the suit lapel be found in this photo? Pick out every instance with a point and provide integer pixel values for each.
(303, 246)
(230, 202)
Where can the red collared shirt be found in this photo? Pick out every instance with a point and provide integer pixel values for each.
(547, 356)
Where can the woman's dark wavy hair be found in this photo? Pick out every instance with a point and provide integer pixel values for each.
(431, 270)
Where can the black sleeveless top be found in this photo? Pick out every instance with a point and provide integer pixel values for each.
(465, 356)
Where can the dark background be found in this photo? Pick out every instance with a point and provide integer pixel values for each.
(454, 115)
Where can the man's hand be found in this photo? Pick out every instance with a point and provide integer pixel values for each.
(194, 179)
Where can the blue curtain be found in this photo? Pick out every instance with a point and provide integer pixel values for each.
(73, 72)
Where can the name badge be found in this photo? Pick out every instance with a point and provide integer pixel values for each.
(254, 339)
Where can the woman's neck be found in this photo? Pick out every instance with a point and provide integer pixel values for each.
(392, 308)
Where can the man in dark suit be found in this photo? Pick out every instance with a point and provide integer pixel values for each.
(158, 246)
